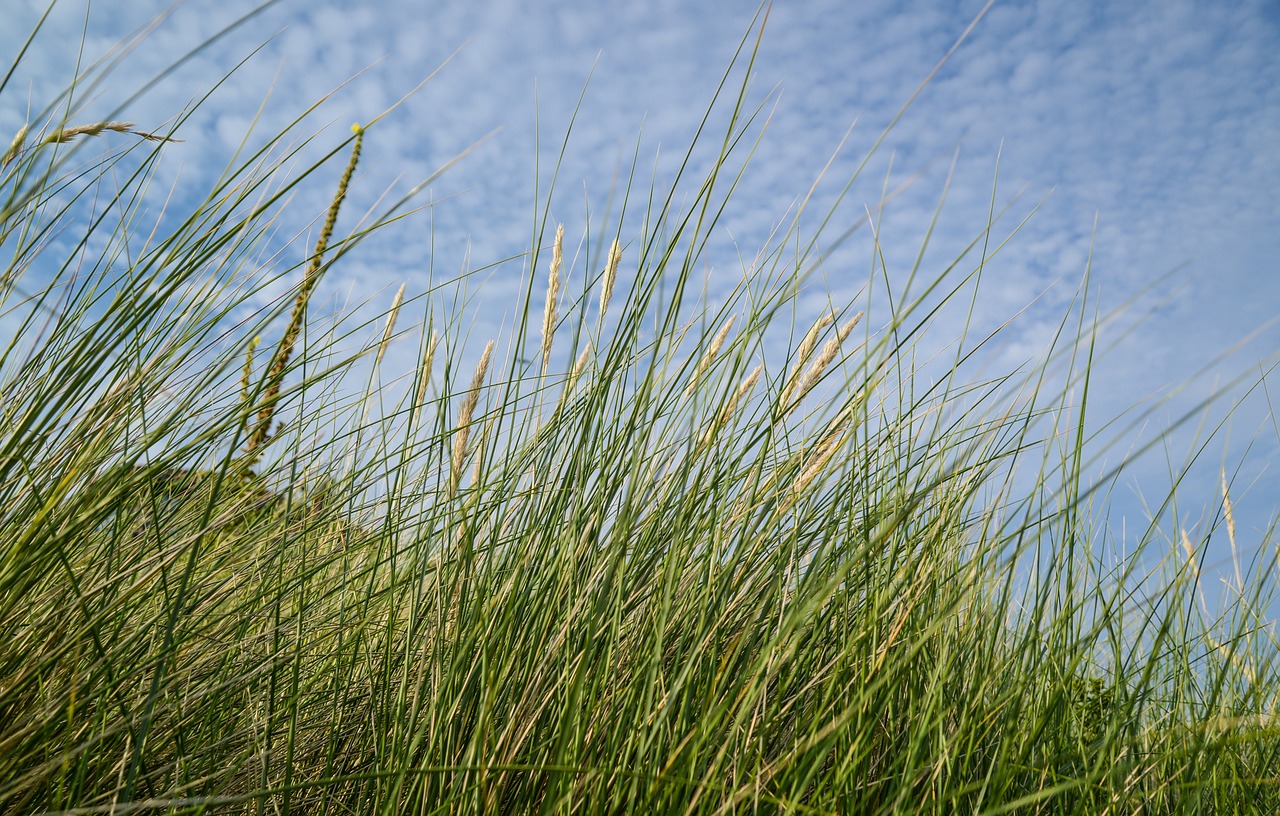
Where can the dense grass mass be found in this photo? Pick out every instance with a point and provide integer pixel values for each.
(640, 556)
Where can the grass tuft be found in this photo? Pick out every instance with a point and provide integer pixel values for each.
(673, 592)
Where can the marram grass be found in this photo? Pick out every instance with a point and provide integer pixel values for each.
(690, 573)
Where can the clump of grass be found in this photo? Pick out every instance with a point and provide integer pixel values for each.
(676, 591)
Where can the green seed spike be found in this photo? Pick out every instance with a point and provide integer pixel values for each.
(261, 435)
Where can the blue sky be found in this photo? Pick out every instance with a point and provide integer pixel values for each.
(1158, 118)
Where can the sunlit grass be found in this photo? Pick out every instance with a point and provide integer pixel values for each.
(709, 563)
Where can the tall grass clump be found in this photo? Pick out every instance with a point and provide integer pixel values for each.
(683, 560)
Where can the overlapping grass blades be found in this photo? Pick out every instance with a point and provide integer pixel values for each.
(696, 569)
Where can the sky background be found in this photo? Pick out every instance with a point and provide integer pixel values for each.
(1149, 129)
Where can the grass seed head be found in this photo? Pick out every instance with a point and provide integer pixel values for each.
(730, 406)
(424, 375)
(807, 345)
(578, 367)
(610, 276)
(581, 363)
(792, 397)
(15, 147)
(821, 456)
(391, 325)
(63, 135)
(465, 413)
(553, 295)
(743, 389)
(710, 355)
(279, 363)
(810, 341)
(1229, 514)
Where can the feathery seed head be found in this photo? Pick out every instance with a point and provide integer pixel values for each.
(15, 147)
(832, 347)
(581, 363)
(553, 294)
(727, 411)
(807, 345)
(578, 368)
(477, 380)
(478, 465)
(464, 418)
(1228, 512)
(745, 387)
(792, 396)
(424, 376)
(810, 341)
(709, 356)
(1190, 550)
(391, 325)
(849, 326)
(610, 275)
(62, 135)
(821, 456)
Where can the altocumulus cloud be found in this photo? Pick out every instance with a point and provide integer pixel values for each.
(1159, 117)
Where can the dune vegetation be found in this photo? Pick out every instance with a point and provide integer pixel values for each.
(641, 555)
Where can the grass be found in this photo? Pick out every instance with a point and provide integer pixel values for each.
(710, 564)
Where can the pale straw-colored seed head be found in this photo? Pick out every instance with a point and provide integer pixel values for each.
(807, 345)
(817, 461)
(610, 276)
(1193, 562)
(61, 135)
(709, 356)
(810, 341)
(424, 375)
(1229, 514)
(581, 362)
(727, 411)
(1190, 550)
(15, 147)
(465, 413)
(553, 295)
(578, 367)
(814, 372)
(744, 388)
(390, 327)
(478, 466)
(821, 456)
